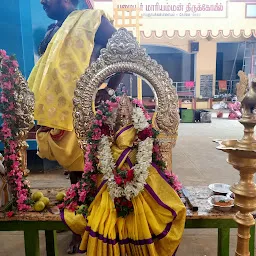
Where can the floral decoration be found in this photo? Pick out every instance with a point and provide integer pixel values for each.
(83, 192)
(123, 184)
(174, 182)
(140, 122)
(10, 214)
(116, 185)
(18, 183)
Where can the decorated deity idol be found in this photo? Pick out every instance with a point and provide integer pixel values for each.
(126, 202)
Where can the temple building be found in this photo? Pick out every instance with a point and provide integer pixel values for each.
(202, 44)
(108, 114)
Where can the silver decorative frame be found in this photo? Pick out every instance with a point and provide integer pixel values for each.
(24, 111)
(124, 54)
(24, 105)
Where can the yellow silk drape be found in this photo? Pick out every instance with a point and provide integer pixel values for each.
(53, 79)
(65, 151)
(154, 228)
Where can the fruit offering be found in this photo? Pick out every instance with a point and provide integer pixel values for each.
(37, 195)
(39, 206)
(45, 200)
(60, 196)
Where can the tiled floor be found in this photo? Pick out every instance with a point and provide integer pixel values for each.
(195, 160)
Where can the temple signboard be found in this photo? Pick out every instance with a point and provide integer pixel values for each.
(179, 9)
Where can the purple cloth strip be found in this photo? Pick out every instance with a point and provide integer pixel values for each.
(165, 232)
(123, 130)
(100, 237)
(154, 195)
(164, 177)
(129, 240)
(84, 251)
(176, 250)
(161, 173)
(122, 156)
(100, 187)
(128, 161)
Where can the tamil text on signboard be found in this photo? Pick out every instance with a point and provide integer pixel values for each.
(182, 9)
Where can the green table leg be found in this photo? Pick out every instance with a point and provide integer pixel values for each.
(252, 240)
(51, 243)
(31, 237)
(223, 241)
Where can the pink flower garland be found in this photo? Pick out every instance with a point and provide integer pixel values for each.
(19, 185)
(84, 191)
(139, 104)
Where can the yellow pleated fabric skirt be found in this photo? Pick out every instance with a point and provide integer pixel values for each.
(154, 228)
(65, 151)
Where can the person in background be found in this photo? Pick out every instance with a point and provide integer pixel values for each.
(68, 48)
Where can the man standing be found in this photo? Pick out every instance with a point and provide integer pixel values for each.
(69, 46)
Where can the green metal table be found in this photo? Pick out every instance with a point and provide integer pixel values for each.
(206, 217)
(31, 233)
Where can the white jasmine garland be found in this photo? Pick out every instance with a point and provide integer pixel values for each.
(139, 120)
(107, 165)
(105, 156)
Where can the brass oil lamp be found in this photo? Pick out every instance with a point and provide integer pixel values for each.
(242, 156)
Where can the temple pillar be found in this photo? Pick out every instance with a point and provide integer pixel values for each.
(205, 62)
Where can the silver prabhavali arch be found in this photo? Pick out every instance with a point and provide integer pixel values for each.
(124, 54)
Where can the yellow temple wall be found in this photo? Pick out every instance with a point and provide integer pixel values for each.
(178, 33)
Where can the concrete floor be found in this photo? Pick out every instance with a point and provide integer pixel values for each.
(195, 160)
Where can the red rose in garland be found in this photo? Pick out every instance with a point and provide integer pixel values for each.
(130, 175)
(122, 176)
(118, 180)
(123, 206)
(10, 214)
(105, 130)
(128, 203)
(146, 133)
